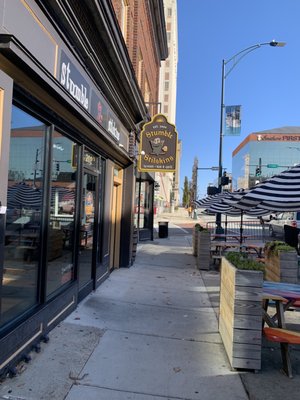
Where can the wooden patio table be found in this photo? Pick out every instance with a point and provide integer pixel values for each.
(284, 296)
(236, 236)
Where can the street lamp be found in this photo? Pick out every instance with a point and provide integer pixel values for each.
(235, 59)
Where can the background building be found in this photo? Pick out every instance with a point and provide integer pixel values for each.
(167, 191)
(263, 154)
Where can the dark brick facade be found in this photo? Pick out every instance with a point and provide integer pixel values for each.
(142, 46)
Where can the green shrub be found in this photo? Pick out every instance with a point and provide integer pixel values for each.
(241, 261)
(200, 228)
(275, 246)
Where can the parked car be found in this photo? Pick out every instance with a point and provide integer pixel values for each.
(277, 222)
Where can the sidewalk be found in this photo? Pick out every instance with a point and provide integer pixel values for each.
(148, 332)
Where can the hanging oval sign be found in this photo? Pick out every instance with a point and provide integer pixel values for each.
(158, 146)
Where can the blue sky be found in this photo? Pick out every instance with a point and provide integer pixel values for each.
(266, 83)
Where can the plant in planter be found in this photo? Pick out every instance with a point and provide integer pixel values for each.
(242, 261)
(240, 317)
(281, 262)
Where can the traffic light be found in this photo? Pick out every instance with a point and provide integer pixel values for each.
(57, 167)
(212, 190)
(224, 179)
(258, 168)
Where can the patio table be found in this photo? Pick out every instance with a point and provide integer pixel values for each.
(289, 291)
(284, 296)
(235, 236)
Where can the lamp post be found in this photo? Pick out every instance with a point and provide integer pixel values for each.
(234, 60)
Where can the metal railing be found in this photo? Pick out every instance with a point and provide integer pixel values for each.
(253, 229)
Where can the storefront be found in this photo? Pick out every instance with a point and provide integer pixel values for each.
(67, 180)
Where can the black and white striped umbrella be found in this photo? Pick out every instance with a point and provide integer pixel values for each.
(62, 194)
(226, 209)
(224, 203)
(277, 194)
(212, 199)
(222, 207)
(22, 195)
(234, 197)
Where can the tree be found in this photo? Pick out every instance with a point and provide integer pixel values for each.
(194, 188)
(186, 193)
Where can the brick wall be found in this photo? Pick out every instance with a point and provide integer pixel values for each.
(140, 42)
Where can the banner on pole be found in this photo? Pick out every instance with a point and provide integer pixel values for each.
(233, 120)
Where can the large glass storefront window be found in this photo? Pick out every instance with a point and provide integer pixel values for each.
(87, 217)
(19, 290)
(62, 213)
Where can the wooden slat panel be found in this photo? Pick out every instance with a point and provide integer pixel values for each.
(246, 321)
(240, 316)
(250, 351)
(248, 336)
(248, 278)
(227, 338)
(245, 363)
(272, 276)
(248, 293)
(247, 307)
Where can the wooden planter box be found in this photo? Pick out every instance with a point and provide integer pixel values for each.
(203, 250)
(240, 318)
(282, 267)
(195, 241)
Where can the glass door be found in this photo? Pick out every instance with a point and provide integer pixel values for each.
(87, 220)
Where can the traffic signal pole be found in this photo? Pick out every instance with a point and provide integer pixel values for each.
(258, 169)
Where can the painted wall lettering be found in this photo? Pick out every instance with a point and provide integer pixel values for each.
(72, 80)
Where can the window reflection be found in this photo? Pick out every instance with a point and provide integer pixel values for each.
(142, 205)
(62, 213)
(23, 218)
(87, 227)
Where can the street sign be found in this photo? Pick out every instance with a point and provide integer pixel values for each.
(272, 165)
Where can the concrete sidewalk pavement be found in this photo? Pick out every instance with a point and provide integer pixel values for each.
(149, 332)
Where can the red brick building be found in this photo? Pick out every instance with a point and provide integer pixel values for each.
(143, 27)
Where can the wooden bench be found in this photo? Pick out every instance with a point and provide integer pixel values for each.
(253, 248)
(284, 337)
